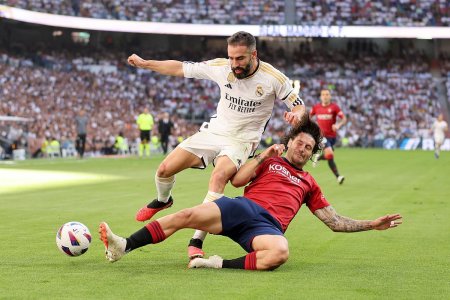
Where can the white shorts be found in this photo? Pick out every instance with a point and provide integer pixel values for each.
(208, 147)
(439, 139)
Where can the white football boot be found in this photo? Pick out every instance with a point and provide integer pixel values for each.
(114, 244)
(213, 262)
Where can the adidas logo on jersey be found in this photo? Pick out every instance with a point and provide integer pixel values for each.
(228, 86)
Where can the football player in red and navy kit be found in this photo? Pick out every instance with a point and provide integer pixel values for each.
(257, 221)
(326, 115)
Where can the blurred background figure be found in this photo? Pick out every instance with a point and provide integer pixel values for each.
(81, 121)
(121, 145)
(326, 114)
(54, 148)
(439, 128)
(145, 125)
(41, 148)
(165, 129)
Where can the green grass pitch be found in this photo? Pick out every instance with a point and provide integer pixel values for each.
(408, 262)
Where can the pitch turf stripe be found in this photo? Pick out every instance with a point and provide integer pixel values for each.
(20, 180)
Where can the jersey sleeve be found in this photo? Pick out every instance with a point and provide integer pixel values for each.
(204, 70)
(315, 199)
(313, 111)
(282, 87)
(339, 112)
(287, 94)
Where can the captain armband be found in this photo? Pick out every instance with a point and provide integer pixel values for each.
(293, 100)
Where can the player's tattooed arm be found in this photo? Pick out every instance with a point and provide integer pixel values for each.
(338, 223)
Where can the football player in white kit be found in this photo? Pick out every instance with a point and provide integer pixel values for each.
(439, 128)
(248, 90)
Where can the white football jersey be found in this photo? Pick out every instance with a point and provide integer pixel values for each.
(245, 105)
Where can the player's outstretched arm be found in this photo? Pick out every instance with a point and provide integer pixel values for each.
(339, 223)
(247, 171)
(338, 125)
(386, 222)
(165, 67)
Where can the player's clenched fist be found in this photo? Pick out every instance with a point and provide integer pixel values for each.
(272, 151)
(136, 61)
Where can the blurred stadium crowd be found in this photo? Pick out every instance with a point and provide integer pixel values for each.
(383, 98)
(378, 12)
(384, 95)
(319, 12)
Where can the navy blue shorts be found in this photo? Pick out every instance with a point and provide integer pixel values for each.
(243, 220)
(330, 142)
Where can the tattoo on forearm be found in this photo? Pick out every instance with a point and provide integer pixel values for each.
(339, 223)
(259, 159)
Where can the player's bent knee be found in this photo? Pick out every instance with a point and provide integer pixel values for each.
(282, 255)
(277, 257)
(163, 170)
(219, 178)
(185, 217)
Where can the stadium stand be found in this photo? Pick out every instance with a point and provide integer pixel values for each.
(445, 73)
(379, 12)
(394, 98)
(171, 11)
(255, 12)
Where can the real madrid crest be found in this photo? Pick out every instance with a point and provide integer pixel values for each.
(231, 77)
(259, 91)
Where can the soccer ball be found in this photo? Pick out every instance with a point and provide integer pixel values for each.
(73, 238)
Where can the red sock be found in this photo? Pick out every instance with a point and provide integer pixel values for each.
(250, 261)
(328, 156)
(156, 232)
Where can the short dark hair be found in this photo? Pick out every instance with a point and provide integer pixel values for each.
(310, 127)
(242, 38)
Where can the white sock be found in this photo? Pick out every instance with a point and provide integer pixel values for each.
(210, 196)
(164, 187)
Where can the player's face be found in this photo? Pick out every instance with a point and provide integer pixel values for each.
(300, 149)
(325, 97)
(440, 117)
(241, 60)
